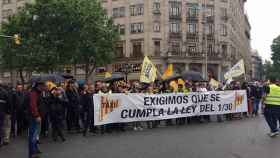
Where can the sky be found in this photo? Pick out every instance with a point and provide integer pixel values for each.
(264, 16)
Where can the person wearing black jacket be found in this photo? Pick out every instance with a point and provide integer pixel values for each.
(257, 94)
(56, 103)
(88, 109)
(73, 107)
(5, 110)
(21, 118)
(15, 109)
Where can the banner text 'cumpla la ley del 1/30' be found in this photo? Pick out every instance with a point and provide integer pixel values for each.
(117, 108)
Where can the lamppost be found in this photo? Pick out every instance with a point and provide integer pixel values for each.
(204, 22)
(126, 69)
(16, 37)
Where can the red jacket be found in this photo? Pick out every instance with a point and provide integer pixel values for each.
(34, 99)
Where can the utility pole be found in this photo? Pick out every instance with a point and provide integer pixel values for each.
(204, 7)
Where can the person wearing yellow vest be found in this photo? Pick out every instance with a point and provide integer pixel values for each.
(272, 107)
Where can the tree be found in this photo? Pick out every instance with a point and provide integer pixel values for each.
(97, 38)
(275, 47)
(56, 33)
(269, 70)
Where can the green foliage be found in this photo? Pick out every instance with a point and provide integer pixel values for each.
(269, 69)
(272, 69)
(55, 33)
(275, 47)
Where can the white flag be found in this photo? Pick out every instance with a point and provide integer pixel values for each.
(236, 70)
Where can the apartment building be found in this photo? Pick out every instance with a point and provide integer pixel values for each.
(181, 32)
(208, 36)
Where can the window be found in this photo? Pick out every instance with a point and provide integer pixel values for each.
(174, 9)
(224, 49)
(210, 48)
(175, 48)
(223, 30)
(157, 48)
(210, 11)
(115, 12)
(192, 10)
(7, 1)
(156, 26)
(191, 28)
(192, 48)
(223, 12)
(174, 27)
(119, 51)
(118, 12)
(122, 12)
(136, 10)
(209, 29)
(136, 28)
(156, 6)
(7, 13)
(137, 49)
(122, 29)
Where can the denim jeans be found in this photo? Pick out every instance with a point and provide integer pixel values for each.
(32, 137)
(272, 114)
(256, 104)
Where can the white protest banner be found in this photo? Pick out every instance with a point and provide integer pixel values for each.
(116, 108)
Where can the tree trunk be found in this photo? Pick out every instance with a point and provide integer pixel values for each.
(21, 77)
(87, 72)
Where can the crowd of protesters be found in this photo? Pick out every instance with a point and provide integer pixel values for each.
(43, 110)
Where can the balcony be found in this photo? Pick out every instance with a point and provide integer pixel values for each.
(193, 36)
(175, 17)
(224, 18)
(156, 12)
(192, 18)
(210, 37)
(175, 35)
(176, 54)
(195, 54)
(214, 56)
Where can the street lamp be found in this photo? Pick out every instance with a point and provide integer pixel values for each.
(204, 21)
(16, 38)
(126, 69)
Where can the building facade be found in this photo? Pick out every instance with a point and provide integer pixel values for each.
(208, 36)
(257, 66)
(182, 32)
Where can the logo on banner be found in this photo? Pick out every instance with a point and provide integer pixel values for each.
(238, 99)
(107, 106)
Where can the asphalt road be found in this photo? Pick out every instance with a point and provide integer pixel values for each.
(245, 138)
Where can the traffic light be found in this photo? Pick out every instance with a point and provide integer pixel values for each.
(17, 39)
